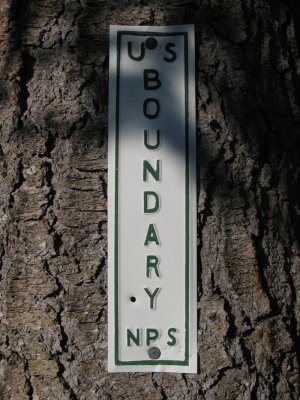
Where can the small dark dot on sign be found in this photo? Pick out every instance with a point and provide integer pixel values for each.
(133, 299)
(151, 43)
(154, 353)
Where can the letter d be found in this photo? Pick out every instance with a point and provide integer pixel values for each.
(151, 208)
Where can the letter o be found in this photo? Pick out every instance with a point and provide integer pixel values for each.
(151, 114)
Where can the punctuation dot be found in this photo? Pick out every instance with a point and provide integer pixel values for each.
(133, 299)
(151, 43)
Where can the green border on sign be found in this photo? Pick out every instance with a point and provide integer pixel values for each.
(187, 201)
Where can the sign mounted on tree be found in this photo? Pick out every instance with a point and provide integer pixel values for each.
(152, 200)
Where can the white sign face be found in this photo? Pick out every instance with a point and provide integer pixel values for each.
(152, 200)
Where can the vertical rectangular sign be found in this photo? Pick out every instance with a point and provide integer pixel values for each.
(152, 200)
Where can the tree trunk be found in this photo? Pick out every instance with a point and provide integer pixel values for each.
(53, 215)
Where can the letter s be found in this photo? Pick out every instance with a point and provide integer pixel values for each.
(170, 51)
(171, 336)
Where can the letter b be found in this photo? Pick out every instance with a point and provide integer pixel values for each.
(151, 81)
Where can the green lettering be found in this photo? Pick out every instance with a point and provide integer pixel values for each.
(151, 235)
(152, 262)
(152, 296)
(147, 168)
(151, 335)
(170, 51)
(151, 81)
(137, 58)
(135, 339)
(171, 336)
(155, 207)
(151, 112)
(146, 140)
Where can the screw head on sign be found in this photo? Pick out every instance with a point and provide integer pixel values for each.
(154, 353)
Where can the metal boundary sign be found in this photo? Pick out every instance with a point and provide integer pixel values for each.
(152, 200)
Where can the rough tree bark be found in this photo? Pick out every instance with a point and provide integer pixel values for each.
(53, 165)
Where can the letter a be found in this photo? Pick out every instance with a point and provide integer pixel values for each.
(151, 235)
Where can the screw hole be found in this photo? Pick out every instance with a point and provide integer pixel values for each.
(133, 299)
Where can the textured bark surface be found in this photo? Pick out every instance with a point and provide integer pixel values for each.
(53, 207)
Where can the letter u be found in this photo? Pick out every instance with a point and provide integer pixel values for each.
(142, 54)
